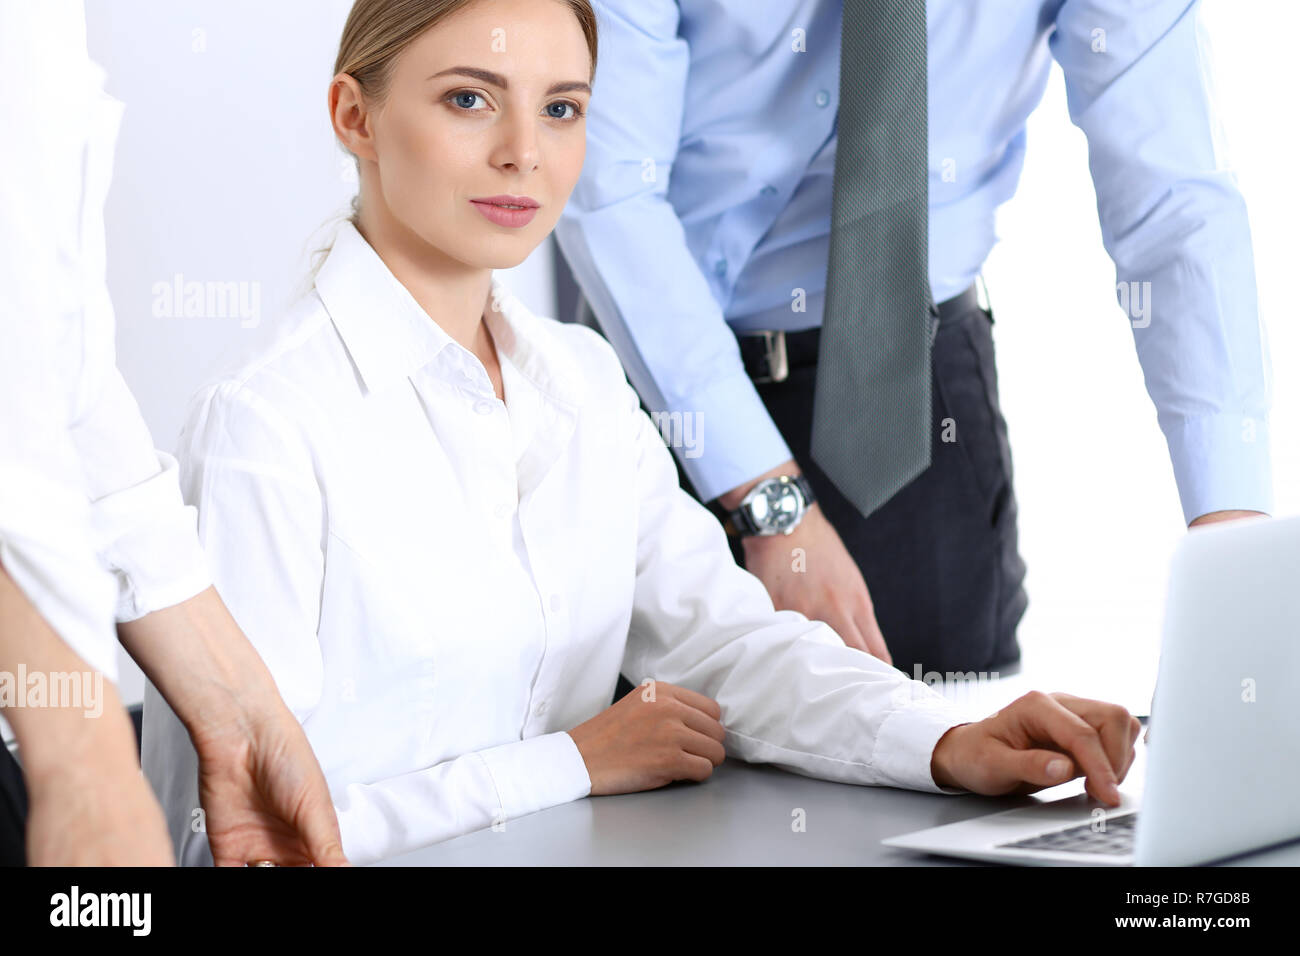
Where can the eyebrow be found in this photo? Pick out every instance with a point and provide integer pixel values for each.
(496, 79)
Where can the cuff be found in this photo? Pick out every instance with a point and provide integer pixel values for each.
(907, 738)
(537, 773)
(1221, 462)
(735, 437)
(147, 536)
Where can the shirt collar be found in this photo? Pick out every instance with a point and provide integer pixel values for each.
(390, 337)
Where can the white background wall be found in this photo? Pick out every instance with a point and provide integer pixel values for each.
(227, 169)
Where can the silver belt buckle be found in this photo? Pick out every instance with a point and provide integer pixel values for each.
(778, 363)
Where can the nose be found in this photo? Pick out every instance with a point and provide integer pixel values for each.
(517, 149)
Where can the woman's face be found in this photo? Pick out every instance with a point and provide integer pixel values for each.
(488, 105)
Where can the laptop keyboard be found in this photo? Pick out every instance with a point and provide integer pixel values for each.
(1115, 840)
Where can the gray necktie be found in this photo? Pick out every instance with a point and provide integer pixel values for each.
(871, 413)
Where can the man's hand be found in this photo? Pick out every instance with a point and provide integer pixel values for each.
(1040, 741)
(1214, 517)
(261, 787)
(656, 734)
(263, 793)
(831, 587)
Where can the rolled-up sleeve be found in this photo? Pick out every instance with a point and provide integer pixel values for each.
(143, 531)
(89, 501)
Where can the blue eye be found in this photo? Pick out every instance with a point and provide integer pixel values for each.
(465, 99)
(563, 105)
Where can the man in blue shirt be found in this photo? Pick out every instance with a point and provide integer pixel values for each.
(700, 233)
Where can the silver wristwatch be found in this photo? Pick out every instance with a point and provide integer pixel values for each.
(773, 506)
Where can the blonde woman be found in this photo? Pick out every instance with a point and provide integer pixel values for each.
(447, 526)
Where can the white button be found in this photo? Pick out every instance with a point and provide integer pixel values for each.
(822, 98)
(556, 602)
(541, 709)
(502, 510)
(483, 407)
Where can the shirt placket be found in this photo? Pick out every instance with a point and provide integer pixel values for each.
(547, 573)
(498, 488)
(741, 228)
(500, 494)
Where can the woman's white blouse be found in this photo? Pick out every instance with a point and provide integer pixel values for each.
(443, 584)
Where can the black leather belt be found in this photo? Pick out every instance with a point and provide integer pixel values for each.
(769, 355)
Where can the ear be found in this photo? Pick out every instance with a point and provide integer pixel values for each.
(351, 116)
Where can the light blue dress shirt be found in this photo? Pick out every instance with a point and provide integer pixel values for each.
(705, 204)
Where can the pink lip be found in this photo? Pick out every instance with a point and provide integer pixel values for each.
(505, 199)
(493, 207)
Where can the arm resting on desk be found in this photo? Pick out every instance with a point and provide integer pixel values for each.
(791, 693)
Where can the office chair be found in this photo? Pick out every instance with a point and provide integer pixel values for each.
(136, 713)
(13, 811)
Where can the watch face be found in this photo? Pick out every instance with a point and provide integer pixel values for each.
(776, 506)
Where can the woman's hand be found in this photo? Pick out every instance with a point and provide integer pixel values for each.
(1038, 741)
(656, 734)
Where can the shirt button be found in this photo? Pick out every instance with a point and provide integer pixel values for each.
(541, 709)
(769, 190)
(502, 510)
(483, 407)
(720, 267)
(822, 98)
(556, 603)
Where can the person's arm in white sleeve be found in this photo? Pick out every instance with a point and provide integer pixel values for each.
(791, 693)
(69, 431)
(261, 521)
(46, 542)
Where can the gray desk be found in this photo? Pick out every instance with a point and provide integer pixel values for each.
(742, 816)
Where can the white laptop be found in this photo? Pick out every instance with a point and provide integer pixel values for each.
(1223, 753)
